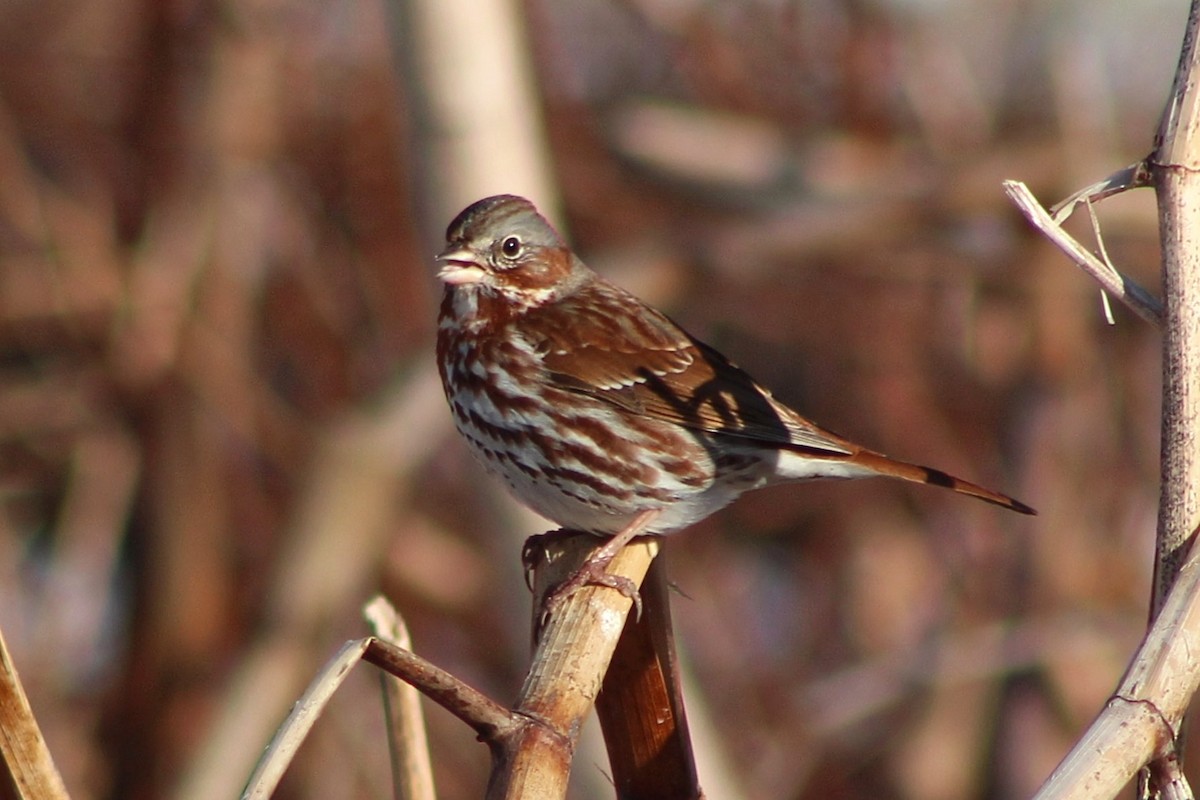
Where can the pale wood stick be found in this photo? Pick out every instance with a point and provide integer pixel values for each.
(1175, 169)
(576, 643)
(26, 761)
(412, 768)
(1141, 719)
(1140, 301)
(291, 734)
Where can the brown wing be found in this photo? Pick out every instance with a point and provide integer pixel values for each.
(607, 344)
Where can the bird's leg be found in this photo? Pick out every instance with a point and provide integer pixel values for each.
(534, 551)
(593, 571)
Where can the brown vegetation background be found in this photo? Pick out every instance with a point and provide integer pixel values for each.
(213, 263)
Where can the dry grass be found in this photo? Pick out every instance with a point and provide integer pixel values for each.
(214, 288)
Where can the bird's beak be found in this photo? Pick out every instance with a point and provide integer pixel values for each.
(459, 267)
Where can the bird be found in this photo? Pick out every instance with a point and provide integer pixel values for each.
(597, 410)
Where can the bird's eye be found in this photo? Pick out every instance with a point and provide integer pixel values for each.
(510, 247)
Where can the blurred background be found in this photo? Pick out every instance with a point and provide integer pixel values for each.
(220, 432)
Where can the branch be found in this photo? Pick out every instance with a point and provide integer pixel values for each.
(1112, 281)
(573, 652)
(532, 744)
(485, 716)
(641, 705)
(1135, 176)
(412, 768)
(1141, 720)
(24, 758)
(1175, 168)
(291, 734)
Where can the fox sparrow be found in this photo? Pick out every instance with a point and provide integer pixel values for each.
(598, 411)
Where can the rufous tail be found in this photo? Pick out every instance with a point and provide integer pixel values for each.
(890, 467)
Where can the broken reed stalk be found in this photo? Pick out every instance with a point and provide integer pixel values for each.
(640, 706)
(1125, 289)
(532, 745)
(1138, 723)
(574, 647)
(408, 744)
(588, 641)
(28, 768)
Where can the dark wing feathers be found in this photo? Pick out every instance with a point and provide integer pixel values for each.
(606, 344)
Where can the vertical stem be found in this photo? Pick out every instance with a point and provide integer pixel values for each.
(574, 648)
(1176, 167)
(640, 705)
(1179, 505)
(472, 93)
(408, 743)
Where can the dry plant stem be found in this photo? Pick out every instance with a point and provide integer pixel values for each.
(532, 745)
(1175, 166)
(28, 767)
(291, 734)
(477, 114)
(1135, 176)
(640, 705)
(485, 716)
(1111, 752)
(573, 652)
(412, 768)
(1140, 301)
(1175, 169)
(345, 519)
(1141, 720)
(1167, 775)
(494, 723)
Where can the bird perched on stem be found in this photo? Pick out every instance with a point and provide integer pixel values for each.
(598, 411)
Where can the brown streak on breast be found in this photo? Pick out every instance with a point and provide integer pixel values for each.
(600, 487)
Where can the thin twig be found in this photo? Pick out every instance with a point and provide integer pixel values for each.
(1135, 176)
(291, 734)
(484, 715)
(25, 762)
(488, 718)
(1123, 288)
(412, 768)
(1095, 220)
(1141, 720)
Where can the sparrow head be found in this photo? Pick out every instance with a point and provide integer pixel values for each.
(502, 247)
